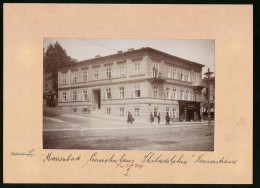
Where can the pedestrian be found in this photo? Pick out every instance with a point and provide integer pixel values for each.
(151, 117)
(182, 117)
(200, 116)
(159, 118)
(130, 118)
(167, 118)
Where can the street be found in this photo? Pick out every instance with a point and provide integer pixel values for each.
(67, 130)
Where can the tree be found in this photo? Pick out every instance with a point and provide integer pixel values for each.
(55, 57)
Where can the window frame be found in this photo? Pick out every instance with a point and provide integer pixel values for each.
(168, 92)
(85, 75)
(137, 69)
(156, 90)
(122, 109)
(108, 93)
(64, 78)
(137, 112)
(74, 93)
(64, 92)
(121, 92)
(96, 74)
(136, 89)
(108, 72)
(85, 95)
(74, 76)
(121, 69)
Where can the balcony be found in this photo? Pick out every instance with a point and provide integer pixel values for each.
(198, 86)
(157, 76)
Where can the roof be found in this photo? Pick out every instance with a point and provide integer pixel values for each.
(132, 52)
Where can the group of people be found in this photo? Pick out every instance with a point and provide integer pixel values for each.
(167, 118)
(130, 118)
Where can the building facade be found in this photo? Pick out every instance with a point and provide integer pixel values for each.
(141, 81)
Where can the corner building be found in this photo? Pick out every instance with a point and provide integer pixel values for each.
(141, 81)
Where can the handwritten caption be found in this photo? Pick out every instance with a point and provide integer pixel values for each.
(122, 161)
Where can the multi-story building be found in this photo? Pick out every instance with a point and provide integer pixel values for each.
(141, 81)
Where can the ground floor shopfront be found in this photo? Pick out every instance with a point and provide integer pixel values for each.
(140, 108)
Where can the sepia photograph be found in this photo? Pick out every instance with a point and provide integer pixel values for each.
(128, 94)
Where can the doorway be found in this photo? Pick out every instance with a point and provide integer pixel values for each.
(96, 99)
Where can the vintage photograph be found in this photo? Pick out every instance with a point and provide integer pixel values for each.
(128, 94)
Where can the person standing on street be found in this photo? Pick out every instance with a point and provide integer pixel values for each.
(130, 118)
(167, 118)
(159, 118)
(151, 117)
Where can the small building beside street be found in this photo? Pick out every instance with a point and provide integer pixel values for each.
(141, 82)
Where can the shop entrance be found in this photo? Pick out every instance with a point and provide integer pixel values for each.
(189, 111)
(96, 99)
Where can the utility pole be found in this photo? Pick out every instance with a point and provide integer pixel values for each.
(208, 74)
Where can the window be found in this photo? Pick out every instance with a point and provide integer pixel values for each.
(175, 113)
(108, 110)
(168, 96)
(85, 76)
(137, 91)
(188, 76)
(74, 77)
(156, 70)
(191, 77)
(108, 93)
(137, 68)
(121, 70)
(196, 77)
(181, 95)
(168, 72)
(64, 96)
(174, 73)
(167, 110)
(122, 92)
(64, 78)
(155, 112)
(74, 96)
(182, 75)
(122, 111)
(187, 94)
(108, 72)
(191, 97)
(137, 112)
(174, 93)
(85, 95)
(155, 91)
(96, 74)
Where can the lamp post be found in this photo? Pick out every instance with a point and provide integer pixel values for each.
(207, 79)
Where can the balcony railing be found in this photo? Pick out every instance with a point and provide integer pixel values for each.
(157, 74)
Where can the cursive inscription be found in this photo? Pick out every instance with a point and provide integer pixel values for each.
(28, 154)
(69, 158)
(151, 157)
(95, 159)
(201, 159)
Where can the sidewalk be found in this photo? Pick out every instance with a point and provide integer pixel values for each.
(154, 123)
(57, 111)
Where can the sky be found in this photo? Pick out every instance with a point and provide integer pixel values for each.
(197, 50)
